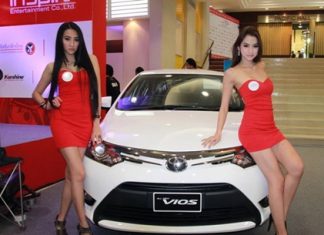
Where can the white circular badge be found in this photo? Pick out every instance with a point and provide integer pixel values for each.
(67, 76)
(253, 85)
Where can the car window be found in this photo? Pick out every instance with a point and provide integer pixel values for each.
(176, 91)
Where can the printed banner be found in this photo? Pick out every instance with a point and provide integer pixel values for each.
(223, 30)
(25, 50)
(18, 12)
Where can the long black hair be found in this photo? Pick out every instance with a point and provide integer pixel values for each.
(82, 60)
(248, 30)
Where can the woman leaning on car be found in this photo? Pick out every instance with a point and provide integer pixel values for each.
(74, 114)
(258, 133)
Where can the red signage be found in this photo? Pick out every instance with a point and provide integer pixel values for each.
(20, 12)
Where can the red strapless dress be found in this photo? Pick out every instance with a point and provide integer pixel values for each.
(258, 130)
(71, 124)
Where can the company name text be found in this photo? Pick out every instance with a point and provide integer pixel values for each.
(38, 3)
(33, 6)
(11, 47)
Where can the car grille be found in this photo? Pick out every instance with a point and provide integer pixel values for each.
(133, 203)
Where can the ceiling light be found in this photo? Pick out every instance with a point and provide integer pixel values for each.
(128, 9)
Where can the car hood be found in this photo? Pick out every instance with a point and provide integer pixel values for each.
(168, 130)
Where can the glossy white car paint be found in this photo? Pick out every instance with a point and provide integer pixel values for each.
(182, 130)
(175, 131)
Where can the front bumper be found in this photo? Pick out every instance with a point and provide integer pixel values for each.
(124, 202)
(132, 202)
(203, 229)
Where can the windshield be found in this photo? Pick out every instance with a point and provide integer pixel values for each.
(176, 92)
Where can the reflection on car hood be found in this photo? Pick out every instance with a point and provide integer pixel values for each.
(168, 130)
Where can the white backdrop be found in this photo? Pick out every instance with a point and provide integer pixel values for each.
(25, 51)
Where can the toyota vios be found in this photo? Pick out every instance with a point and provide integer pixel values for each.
(152, 175)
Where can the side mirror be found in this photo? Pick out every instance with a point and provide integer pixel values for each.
(106, 101)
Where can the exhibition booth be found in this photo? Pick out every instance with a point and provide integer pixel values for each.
(27, 44)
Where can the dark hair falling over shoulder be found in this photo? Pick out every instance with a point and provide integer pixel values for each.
(248, 30)
(82, 60)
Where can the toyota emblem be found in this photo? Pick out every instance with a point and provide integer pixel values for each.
(176, 164)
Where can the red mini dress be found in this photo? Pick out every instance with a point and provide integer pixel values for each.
(258, 130)
(71, 123)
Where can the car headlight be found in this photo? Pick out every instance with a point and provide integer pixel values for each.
(99, 151)
(243, 159)
(105, 154)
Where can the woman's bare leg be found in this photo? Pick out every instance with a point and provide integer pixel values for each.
(66, 197)
(269, 165)
(292, 162)
(74, 161)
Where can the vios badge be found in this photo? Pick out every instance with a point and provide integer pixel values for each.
(177, 202)
(176, 164)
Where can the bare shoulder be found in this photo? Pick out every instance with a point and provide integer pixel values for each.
(231, 74)
(93, 58)
(49, 67)
(95, 65)
(48, 70)
(47, 73)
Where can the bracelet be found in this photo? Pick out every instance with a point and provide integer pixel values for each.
(42, 104)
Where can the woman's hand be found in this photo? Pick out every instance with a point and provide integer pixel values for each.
(210, 141)
(57, 102)
(96, 133)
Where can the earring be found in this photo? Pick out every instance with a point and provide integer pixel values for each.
(238, 52)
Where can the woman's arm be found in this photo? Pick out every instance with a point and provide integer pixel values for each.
(96, 132)
(222, 114)
(42, 85)
(226, 96)
(96, 68)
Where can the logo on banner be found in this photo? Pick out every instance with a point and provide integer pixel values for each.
(11, 48)
(14, 77)
(25, 6)
(1, 74)
(30, 48)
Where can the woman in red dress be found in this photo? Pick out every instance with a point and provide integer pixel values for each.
(258, 132)
(74, 109)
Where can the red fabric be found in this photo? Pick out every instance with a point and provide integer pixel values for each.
(258, 130)
(42, 163)
(22, 111)
(71, 123)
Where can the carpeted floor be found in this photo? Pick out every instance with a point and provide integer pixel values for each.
(305, 217)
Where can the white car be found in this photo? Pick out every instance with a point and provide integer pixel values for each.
(152, 175)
